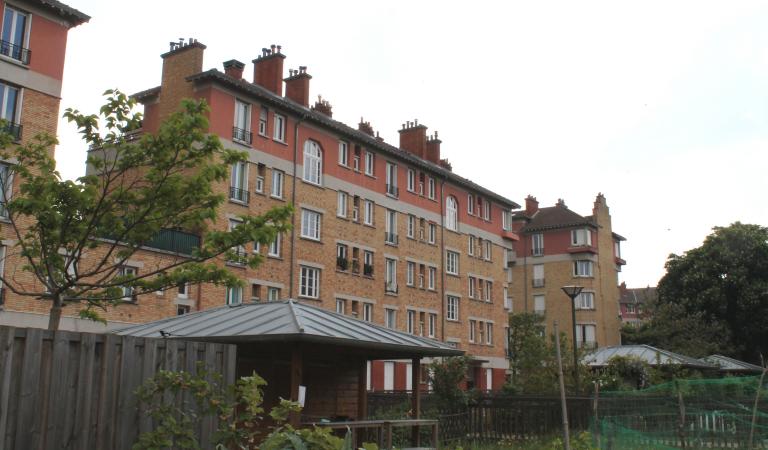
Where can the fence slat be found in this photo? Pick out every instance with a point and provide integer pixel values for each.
(7, 337)
(107, 392)
(28, 435)
(57, 389)
(130, 372)
(82, 429)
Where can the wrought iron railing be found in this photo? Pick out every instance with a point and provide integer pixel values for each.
(14, 51)
(175, 241)
(240, 195)
(14, 129)
(537, 251)
(242, 135)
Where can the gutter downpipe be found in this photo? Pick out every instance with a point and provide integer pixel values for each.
(292, 269)
(443, 259)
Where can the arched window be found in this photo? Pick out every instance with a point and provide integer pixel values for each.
(313, 162)
(451, 214)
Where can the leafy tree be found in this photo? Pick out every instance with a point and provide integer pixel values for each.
(718, 294)
(446, 376)
(75, 237)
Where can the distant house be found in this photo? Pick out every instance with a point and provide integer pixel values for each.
(633, 303)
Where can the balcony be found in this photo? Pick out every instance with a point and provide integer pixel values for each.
(239, 195)
(509, 234)
(573, 249)
(241, 135)
(390, 238)
(16, 52)
(537, 251)
(538, 282)
(390, 287)
(392, 190)
(508, 304)
(14, 129)
(175, 241)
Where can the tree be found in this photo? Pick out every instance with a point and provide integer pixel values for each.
(719, 293)
(446, 376)
(75, 237)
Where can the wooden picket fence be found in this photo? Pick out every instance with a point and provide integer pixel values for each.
(68, 390)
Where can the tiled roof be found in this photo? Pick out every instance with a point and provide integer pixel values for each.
(556, 217)
(284, 321)
(651, 355)
(345, 130)
(638, 295)
(69, 13)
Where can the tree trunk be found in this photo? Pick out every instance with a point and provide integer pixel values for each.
(55, 316)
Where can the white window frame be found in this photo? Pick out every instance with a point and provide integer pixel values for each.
(411, 185)
(410, 323)
(390, 318)
(472, 330)
(471, 245)
(263, 120)
(432, 233)
(309, 282)
(451, 213)
(451, 262)
(410, 228)
(585, 300)
(470, 204)
(370, 164)
(128, 291)
(488, 333)
(452, 308)
(275, 246)
(487, 210)
(277, 183)
(311, 224)
(537, 244)
(367, 312)
(239, 180)
(431, 188)
(390, 274)
(487, 250)
(341, 306)
(242, 119)
(313, 163)
(273, 294)
(234, 296)
(487, 290)
(341, 204)
(431, 277)
(391, 179)
(539, 300)
(581, 237)
(344, 153)
(410, 272)
(27, 25)
(431, 325)
(472, 287)
(279, 131)
(583, 268)
(368, 210)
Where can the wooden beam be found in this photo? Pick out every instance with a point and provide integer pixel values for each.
(296, 376)
(416, 397)
(362, 390)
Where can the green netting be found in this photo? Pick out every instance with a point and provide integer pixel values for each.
(698, 413)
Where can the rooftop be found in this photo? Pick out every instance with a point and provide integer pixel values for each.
(651, 355)
(555, 217)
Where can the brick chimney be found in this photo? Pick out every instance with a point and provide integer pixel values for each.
(234, 68)
(413, 138)
(268, 69)
(365, 127)
(561, 203)
(433, 149)
(531, 205)
(182, 60)
(323, 106)
(297, 85)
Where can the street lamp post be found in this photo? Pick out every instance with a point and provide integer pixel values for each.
(572, 292)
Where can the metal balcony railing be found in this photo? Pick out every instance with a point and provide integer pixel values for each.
(538, 282)
(14, 129)
(242, 135)
(537, 251)
(240, 195)
(392, 190)
(16, 52)
(390, 238)
(368, 270)
(342, 263)
(390, 287)
(175, 241)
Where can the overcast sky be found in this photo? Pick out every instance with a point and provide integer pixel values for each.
(662, 106)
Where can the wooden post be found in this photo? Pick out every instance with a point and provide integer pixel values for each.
(296, 375)
(416, 397)
(362, 390)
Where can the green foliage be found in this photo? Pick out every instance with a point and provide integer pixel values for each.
(74, 236)
(625, 373)
(714, 298)
(446, 376)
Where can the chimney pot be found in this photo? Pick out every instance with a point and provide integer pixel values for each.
(297, 85)
(268, 70)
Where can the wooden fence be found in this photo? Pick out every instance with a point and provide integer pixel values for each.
(67, 390)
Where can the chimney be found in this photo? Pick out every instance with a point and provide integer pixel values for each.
(413, 138)
(561, 203)
(182, 60)
(365, 127)
(323, 106)
(433, 149)
(234, 68)
(268, 69)
(531, 205)
(379, 138)
(445, 164)
(297, 86)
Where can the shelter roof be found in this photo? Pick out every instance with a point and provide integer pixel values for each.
(651, 355)
(727, 364)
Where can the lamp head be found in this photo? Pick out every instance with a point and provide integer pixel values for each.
(572, 291)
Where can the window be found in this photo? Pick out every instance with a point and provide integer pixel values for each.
(470, 204)
(585, 300)
(422, 269)
(537, 244)
(471, 245)
(630, 307)
(182, 309)
(431, 188)
(368, 212)
(9, 100)
(274, 246)
(487, 210)
(277, 183)
(585, 335)
(390, 276)
(451, 214)
(582, 268)
(313, 162)
(487, 246)
(452, 308)
(240, 249)
(310, 224)
(506, 220)
(390, 318)
(391, 227)
(241, 131)
(488, 291)
(234, 295)
(279, 134)
(472, 330)
(309, 282)
(356, 159)
(410, 273)
(432, 271)
(488, 333)
(581, 237)
(128, 292)
(368, 263)
(238, 188)
(255, 292)
(263, 120)
(256, 247)
(431, 325)
(539, 305)
(260, 171)
(344, 153)
(538, 275)
(369, 163)
(451, 262)
(432, 233)
(341, 207)
(411, 226)
(411, 180)
(5, 188)
(340, 306)
(342, 263)
(367, 312)
(411, 322)
(273, 294)
(183, 291)
(617, 249)
(14, 35)
(392, 179)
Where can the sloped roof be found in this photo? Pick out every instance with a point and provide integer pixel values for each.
(556, 217)
(69, 13)
(285, 321)
(651, 355)
(638, 295)
(727, 364)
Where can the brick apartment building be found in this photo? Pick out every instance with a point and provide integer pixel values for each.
(559, 247)
(33, 41)
(387, 234)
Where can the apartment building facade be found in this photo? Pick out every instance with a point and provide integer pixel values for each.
(634, 303)
(557, 248)
(33, 41)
